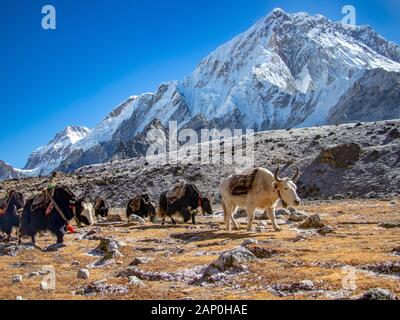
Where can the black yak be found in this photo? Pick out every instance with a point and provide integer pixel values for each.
(186, 206)
(48, 215)
(141, 206)
(11, 212)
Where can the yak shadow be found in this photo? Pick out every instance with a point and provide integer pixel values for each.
(160, 227)
(190, 237)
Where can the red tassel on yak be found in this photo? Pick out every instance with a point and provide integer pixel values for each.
(70, 229)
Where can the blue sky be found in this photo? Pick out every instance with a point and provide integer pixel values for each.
(106, 50)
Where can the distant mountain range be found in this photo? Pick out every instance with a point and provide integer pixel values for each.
(287, 70)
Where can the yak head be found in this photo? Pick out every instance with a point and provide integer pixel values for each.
(206, 206)
(66, 201)
(287, 189)
(84, 211)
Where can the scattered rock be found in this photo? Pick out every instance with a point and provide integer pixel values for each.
(306, 285)
(232, 259)
(325, 230)
(282, 212)
(389, 268)
(297, 216)
(108, 245)
(313, 222)
(101, 288)
(260, 229)
(90, 235)
(262, 224)
(378, 294)
(13, 250)
(292, 288)
(33, 274)
(136, 219)
(19, 298)
(83, 274)
(104, 262)
(261, 252)
(190, 276)
(249, 241)
(17, 279)
(75, 263)
(140, 260)
(135, 281)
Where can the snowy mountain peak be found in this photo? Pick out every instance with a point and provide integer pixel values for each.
(47, 158)
(71, 134)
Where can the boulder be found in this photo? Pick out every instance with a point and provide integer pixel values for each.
(135, 281)
(297, 216)
(325, 230)
(378, 294)
(306, 285)
(261, 252)
(83, 274)
(140, 260)
(108, 245)
(341, 156)
(249, 241)
(394, 134)
(232, 259)
(313, 222)
(136, 219)
(17, 279)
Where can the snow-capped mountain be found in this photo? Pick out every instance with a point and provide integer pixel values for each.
(47, 158)
(287, 70)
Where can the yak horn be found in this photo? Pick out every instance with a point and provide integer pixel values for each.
(296, 175)
(276, 176)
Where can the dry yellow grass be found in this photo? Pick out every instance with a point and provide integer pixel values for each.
(316, 258)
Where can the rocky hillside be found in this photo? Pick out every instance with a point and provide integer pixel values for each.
(287, 70)
(343, 161)
(8, 172)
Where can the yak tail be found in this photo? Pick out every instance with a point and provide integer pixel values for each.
(160, 213)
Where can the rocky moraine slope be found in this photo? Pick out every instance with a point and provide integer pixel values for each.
(345, 161)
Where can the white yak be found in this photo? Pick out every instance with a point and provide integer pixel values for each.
(267, 189)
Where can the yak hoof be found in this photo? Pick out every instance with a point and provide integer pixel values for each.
(277, 229)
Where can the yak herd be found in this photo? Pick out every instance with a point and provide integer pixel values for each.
(54, 207)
